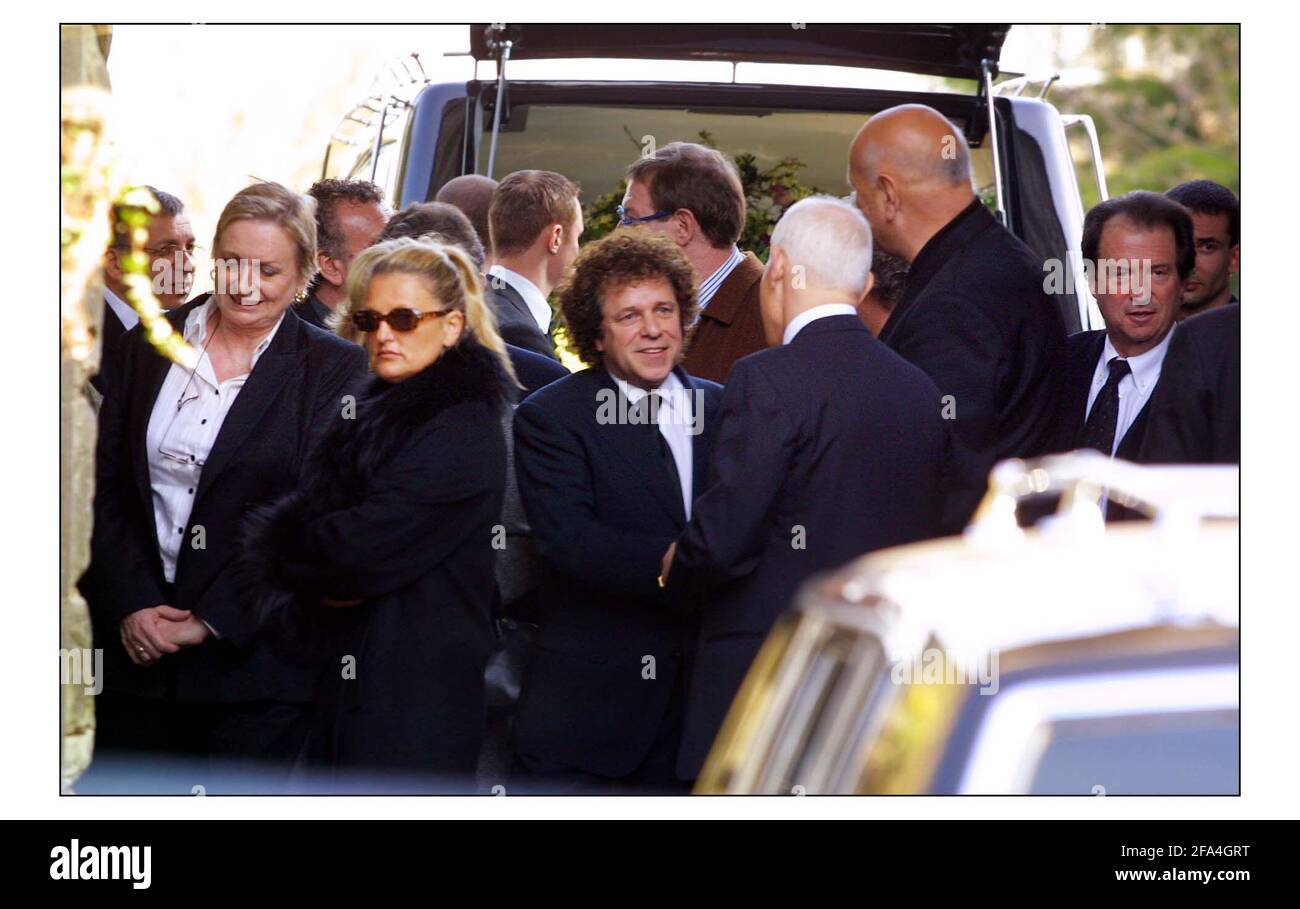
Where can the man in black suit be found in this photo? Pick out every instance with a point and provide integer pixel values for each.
(974, 314)
(1196, 412)
(829, 445)
(1139, 249)
(170, 248)
(610, 461)
(350, 215)
(536, 221)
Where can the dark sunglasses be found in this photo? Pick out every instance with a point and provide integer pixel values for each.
(398, 319)
(625, 221)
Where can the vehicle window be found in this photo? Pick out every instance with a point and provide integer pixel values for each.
(1155, 731)
(594, 144)
(1193, 753)
(386, 173)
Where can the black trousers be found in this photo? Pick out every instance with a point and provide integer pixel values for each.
(249, 746)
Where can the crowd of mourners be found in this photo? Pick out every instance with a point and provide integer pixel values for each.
(379, 538)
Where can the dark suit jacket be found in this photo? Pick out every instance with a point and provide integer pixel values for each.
(731, 326)
(829, 447)
(294, 389)
(309, 311)
(112, 331)
(1083, 349)
(533, 370)
(604, 509)
(1196, 408)
(975, 317)
(515, 322)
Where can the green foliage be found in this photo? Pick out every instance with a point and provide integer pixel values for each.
(768, 193)
(1170, 117)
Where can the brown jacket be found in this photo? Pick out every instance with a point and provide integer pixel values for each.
(731, 326)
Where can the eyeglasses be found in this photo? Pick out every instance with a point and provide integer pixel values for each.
(171, 249)
(399, 319)
(625, 221)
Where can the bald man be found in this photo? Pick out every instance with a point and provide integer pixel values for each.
(472, 194)
(974, 315)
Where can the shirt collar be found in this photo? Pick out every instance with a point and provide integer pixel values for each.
(1145, 367)
(669, 388)
(534, 299)
(196, 329)
(125, 313)
(709, 286)
(817, 312)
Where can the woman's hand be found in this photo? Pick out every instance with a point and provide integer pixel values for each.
(143, 635)
(338, 604)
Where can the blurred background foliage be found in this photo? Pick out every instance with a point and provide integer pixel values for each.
(1166, 106)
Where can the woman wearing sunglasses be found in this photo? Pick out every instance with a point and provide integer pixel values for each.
(392, 537)
(183, 454)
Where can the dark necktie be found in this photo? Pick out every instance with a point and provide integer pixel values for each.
(653, 410)
(1099, 430)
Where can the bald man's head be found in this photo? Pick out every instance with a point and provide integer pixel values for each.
(916, 143)
(472, 194)
(910, 169)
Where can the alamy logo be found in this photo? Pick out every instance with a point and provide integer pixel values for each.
(685, 409)
(82, 666)
(934, 666)
(75, 862)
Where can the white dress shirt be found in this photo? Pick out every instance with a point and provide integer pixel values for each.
(534, 299)
(125, 312)
(826, 310)
(675, 420)
(187, 415)
(1134, 389)
(709, 286)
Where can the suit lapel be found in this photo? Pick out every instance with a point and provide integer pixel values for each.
(1130, 447)
(516, 301)
(701, 443)
(265, 384)
(1078, 384)
(631, 442)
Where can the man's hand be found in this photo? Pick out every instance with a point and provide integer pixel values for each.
(188, 632)
(667, 563)
(338, 604)
(142, 633)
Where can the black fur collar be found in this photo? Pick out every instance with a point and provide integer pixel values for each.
(367, 429)
(466, 372)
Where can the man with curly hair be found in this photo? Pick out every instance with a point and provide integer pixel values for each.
(350, 215)
(610, 461)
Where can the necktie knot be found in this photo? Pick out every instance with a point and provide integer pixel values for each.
(651, 408)
(1119, 368)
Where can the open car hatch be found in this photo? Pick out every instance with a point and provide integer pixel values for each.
(953, 51)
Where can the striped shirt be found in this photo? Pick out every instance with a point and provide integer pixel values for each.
(709, 286)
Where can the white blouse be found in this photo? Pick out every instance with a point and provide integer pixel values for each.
(187, 416)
